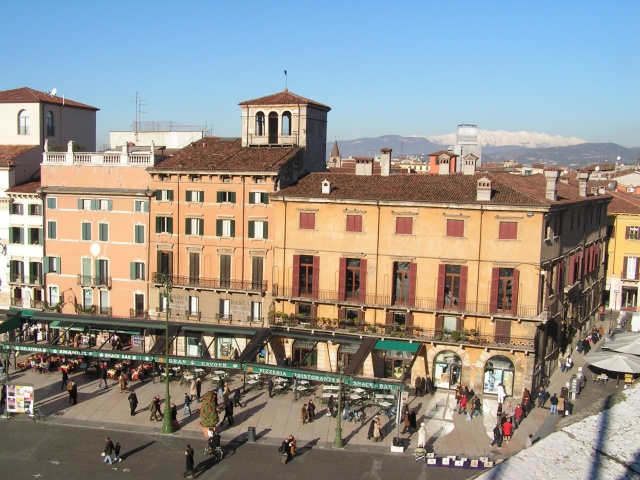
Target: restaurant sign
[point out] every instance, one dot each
(370, 384)
(53, 350)
(197, 362)
(325, 377)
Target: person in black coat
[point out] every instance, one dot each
(133, 402)
(189, 462)
(371, 427)
(228, 413)
(412, 422)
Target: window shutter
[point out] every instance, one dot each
(636, 272)
(170, 195)
(265, 230)
(201, 226)
(264, 198)
(110, 205)
(495, 277)
(295, 280)
(252, 198)
(316, 277)
(188, 195)
(459, 324)
(363, 281)
(80, 205)
(158, 194)
(95, 205)
(218, 197)
(442, 276)
(45, 264)
(97, 269)
(413, 278)
(233, 228)
(439, 325)
(389, 318)
(218, 228)
(514, 292)
(41, 236)
(350, 223)
(572, 268)
(29, 241)
(232, 196)
(187, 226)
(145, 207)
(132, 270)
(252, 228)
(169, 225)
(342, 313)
(627, 233)
(342, 279)
(22, 239)
(624, 268)
(11, 235)
(158, 224)
(462, 299)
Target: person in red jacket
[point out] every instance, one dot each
(507, 428)
(463, 405)
(518, 414)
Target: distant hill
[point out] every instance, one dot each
(571, 155)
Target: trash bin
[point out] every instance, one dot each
(251, 434)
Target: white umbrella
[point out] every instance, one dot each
(624, 346)
(614, 362)
(626, 336)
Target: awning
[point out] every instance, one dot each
(97, 354)
(201, 362)
(397, 345)
(326, 377)
(12, 323)
(66, 326)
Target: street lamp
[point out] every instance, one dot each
(6, 383)
(337, 442)
(167, 427)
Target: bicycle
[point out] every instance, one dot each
(218, 453)
(38, 415)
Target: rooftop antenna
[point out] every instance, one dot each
(53, 92)
(285, 81)
(138, 112)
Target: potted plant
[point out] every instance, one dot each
(208, 412)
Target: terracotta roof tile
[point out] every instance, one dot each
(507, 189)
(10, 152)
(215, 153)
(284, 98)
(28, 95)
(30, 187)
(624, 203)
(443, 152)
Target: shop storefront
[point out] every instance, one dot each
(447, 367)
(397, 357)
(498, 370)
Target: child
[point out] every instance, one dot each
(117, 451)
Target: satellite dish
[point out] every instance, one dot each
(597, 168)
(94, 249)
(54, 91)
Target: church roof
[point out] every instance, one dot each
(284, 98)
(335, 152)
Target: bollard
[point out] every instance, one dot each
(251, 434)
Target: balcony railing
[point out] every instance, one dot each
(16, 278)
(416, 304)
(212, 283)
(400, 331)
(133, 313)
(91, 281)
(34, 280)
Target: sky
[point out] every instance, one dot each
(567, 68)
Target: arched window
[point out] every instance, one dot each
(498, 370)
(50, 125)
(447, 368)
(23, 123)
(259, 124)
(273, 128)
(286, 124)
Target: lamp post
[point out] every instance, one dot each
(337, 442)
(167, 427)
(615, 298)
(6, 383)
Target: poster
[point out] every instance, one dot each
(20, 399)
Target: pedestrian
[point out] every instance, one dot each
(173, 410)
(228, 413)
(65, 379)
(477, 406)
(345, 409)
(526, 401)
(518, 415)
(284, 448)
(108, 451)
(291, 450)
(407, 422)
(304, 415)
(507, 428)
(542, 396)
(270, 387)
(459, 393)
(463, 405)
(133, 402)
(226, 393)
(501, 393)
(554, 403)
(193, 395)
(236, 397)
(509, 411)
(154, 409)
(198, 389)
(569, 363)
(372, 425)
(422, 435)
(418, 386)
(103, 376)
(122, 382)
(116, 450)
(497, 436)
(563, 362)
(72, 389)
(311, 409)
(189, 462)
(412, 422)
(561, 402)
(295, 387)
(187, 404)
(331, 405)
(377, 432)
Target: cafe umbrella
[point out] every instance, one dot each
(614, 362)
(624, 346)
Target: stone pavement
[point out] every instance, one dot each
(278, 417)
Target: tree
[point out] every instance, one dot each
(209, 410)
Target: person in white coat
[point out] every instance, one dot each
(422, 435)
(501, 393)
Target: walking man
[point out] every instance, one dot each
(116, 450)
(311, 409)
(102, 374)
(198, 388)
(228, 413)
(270, 387)
(108, 451)
(189, 462)
(187, 404)
(133, 402)
(65, 379)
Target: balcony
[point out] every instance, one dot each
(34, 280)
(134, 313)
(91, 281)
(212, 283)
(17, 278)
(110, 158)
(471, 338)
(419, 304)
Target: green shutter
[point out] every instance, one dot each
(218, 197)
(95, 205)
(218, 227)
(187, 195)
(158, 220)
(145, 207)
(202, 196)
(233, 228)
(132, 270)
(97, 269)
(45, 265)
(41, 236)
(11, 235)
(169, 225)
(110, 205)
(265, 230)
(158, 194)
(79, 204)
(201, 225)
(187, 226)
(29, 241)
(265, 198)
(22, 239)
(252, 228)
(58, 263)
(252, 198)
(170, 195)
(232, 196)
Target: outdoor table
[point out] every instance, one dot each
(280, 380)
(359, 390)
(221, 373)
(303, 382)
(602, 378)
(252, 382)
(333, 388)
(199, 370)
(354, 397)
(385, 404)
(188, 377)
(216, 379)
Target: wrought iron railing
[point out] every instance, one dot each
(212, 283)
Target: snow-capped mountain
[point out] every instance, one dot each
(498, 138)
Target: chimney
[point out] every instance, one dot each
(364, 166)
(326, 187)
(551, 192)
(583, 181)
(483, 190)
(385, 162)
(469, 164)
